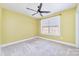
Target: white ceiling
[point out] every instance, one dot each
(21, 7)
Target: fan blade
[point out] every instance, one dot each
(34, 14)
(44, 11)
(40, 6)
(31, 9)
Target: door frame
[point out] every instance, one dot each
(77, 26)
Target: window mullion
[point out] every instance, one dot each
(48, 27)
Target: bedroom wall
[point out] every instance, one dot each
(0, 24)
(67, 27)
(17, 26)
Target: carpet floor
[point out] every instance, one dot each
(39, 47)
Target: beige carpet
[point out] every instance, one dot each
(39, 47)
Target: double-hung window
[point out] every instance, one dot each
(51, 26)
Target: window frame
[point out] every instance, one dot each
(48, 20)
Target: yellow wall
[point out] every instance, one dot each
(67, 27)
(17, 26)
(0, 25)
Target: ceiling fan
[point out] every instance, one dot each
(38, 10)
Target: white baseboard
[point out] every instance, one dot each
(4, 45)
(69, 44)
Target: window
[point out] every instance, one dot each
(51, 26)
